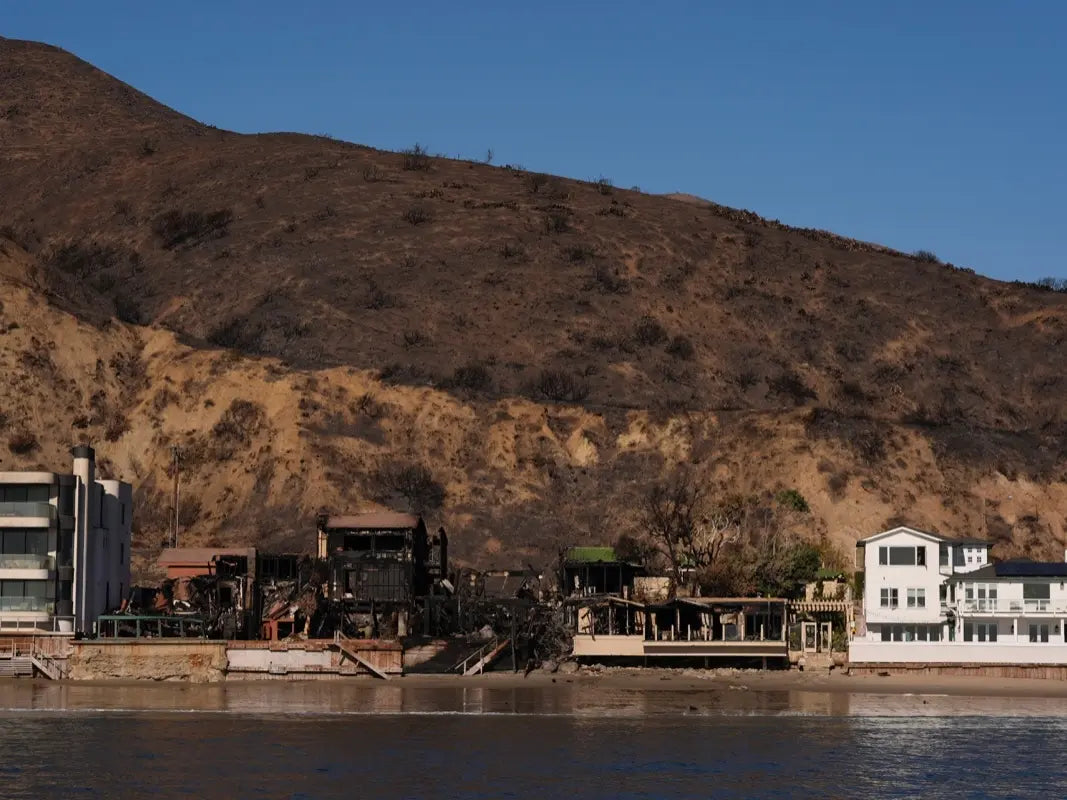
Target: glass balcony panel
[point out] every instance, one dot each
(27, 509)
(26, 561)
(40, 604)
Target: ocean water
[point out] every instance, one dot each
(329, 741)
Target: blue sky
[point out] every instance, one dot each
(932, 125)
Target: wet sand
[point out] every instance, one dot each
(588, 693)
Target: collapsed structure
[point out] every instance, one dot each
(380, 565)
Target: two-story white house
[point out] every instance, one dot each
(64, 547)
(937, 600)
(906, 582)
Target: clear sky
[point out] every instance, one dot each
(938, 125)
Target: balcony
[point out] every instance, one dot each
(27, 510)
(26, 604)
(1005, 606)
(26, 561)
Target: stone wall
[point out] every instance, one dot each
(193, 660)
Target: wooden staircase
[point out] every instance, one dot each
(485, 655)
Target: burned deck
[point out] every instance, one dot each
(631, 646)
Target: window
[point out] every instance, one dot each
(1039, 632)
(122, 553)
(979, 631)
(122, 513)
(902, 556)
(920, 556)
(883, 555)
(889, 598)
(916, 598)
(25, 493)
(1036, 591)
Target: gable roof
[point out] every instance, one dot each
(902, 529)
(937, 537)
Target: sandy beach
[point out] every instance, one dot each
(651, 680)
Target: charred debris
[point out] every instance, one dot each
(377, 575)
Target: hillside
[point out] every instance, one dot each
(306, 317)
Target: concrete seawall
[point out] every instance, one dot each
(208, 661)
(193, 660)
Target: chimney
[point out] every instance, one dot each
(85, 472)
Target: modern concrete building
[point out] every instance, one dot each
(64, 547)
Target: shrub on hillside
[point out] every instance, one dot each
(648, 331)
(416, 158)
(681, 347)
(417, 215)
(22, 443)
(415, 483)
(926, 256)
(176, 227)
(561, 387)
(475, 377)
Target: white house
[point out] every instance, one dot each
(64, 546)
(931, 599)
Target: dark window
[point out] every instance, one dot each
(1036, 591)
(883, 555)
(122, 553)
(902, 556)
(886, 635)
(920, 556)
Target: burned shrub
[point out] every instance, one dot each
(607, 282)
(681, 347)
(86, 259)
(557, 222)
(416, 158)
(648, 331)
(926, 256)
(236, 427)
(791, 386)
(413, 482)
(176, 227)
(126, 309)
(561, 387)
(23, 443)
(535, 181)
(417, 215)
(475, 377)
(415, 338)
(604, 185)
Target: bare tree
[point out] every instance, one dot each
(689, 530)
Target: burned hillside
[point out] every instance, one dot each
(307, 317)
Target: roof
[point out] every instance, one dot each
(902, 529)
(926, 534)
(963, 540)
(710, 601)
(1016, 569)
(590, 555)
(373, 521)
(201, 555)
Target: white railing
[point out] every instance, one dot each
(1011, 606)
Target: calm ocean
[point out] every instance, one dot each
(328, 741)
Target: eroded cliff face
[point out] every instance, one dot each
(265, 446)
(309, 319)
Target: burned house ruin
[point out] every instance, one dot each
(379, 565)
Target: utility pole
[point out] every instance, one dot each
(176, 452)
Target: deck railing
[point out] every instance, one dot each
(1011, 606)
(26, 561)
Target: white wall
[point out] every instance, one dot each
(880, 576)
(861, 651)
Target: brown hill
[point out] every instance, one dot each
(306, 317)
